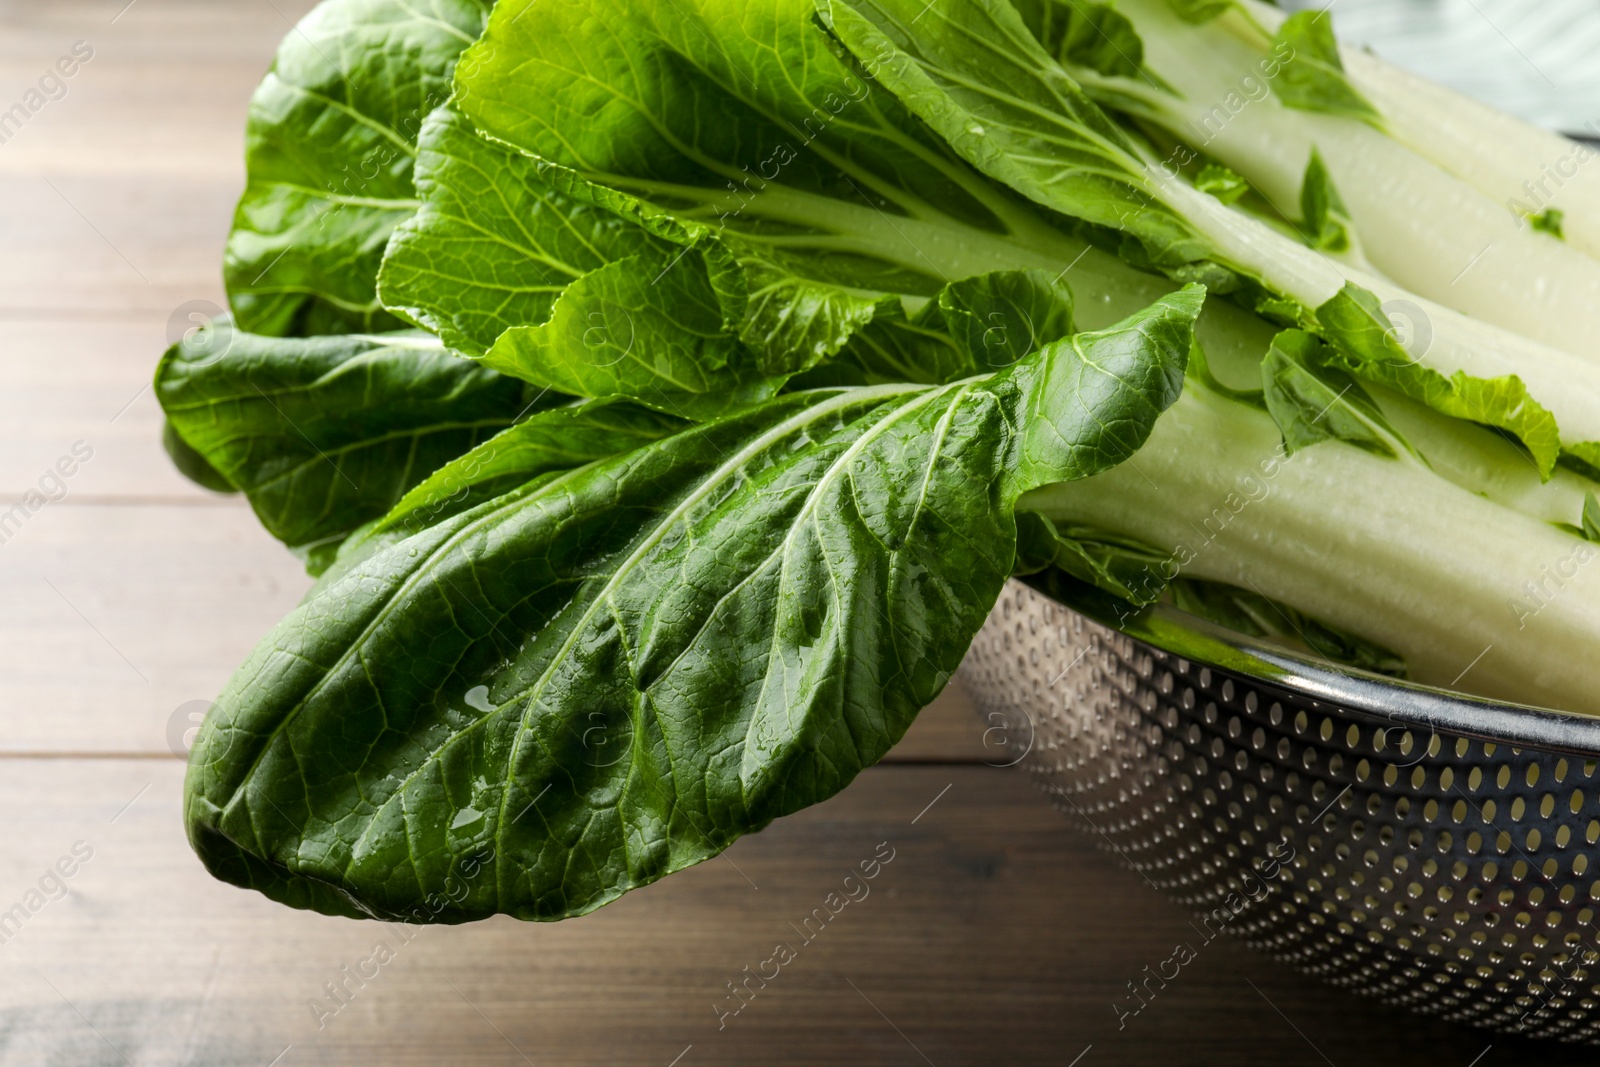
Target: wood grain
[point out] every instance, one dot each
(990, 937)
(995, 936)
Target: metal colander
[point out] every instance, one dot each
(1437, 851)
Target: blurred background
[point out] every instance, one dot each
(1534, 60)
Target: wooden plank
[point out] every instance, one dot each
(117, 196)
(62, 383)
(119, 615)
(994, 935)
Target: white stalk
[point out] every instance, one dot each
(1474, 595)
(1514, 163)
(1443, 339)
(1418, 222)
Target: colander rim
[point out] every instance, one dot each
(1348, 691)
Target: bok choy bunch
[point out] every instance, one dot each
(663, 393)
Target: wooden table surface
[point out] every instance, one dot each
(996, 935)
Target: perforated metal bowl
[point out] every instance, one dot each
(1437, 851)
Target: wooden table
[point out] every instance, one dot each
(995, 936)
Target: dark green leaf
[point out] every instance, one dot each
(1591, 517)
(191, 464)
(611, 673)
(556, 439)
(329, 151)
(325, 434)
(999, 318)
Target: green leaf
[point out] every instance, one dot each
(1549, 221)
(191, 464)
(1198, 11)
(1127, 569)
(1313, 78)
(975, 74)
(1591, 517)
(325, 434)
(1312, 401)
(647, 327)
(1219, 181)
(999, 318)
(612, 673)
(494, 242)
(896, 347)
(1364, 343)
(550, 279)
(1087, 34)
(752, 130)
(556, 439)
(329, 151)
(1325, 221)
(1253, 614)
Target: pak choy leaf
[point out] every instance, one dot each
(1087, 34)
(584, 289)
(546, 442)
(974, 72)
(753, 130)
(1251, 613)
(612, 673)
(581, 288)
(1312, 401)
(1314, 79)
(1325, 221)
(325, 434)
(1199, 11)
(1363, 341)
(329, 151)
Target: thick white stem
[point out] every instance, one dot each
(1475, 596)
(1513, 162)
(1418, 221)
(1439, 337)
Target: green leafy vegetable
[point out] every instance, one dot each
(1326, 221)
(1363, 338)
(1314, 79)
(1311, 401)
(540, 686)
(325, 434)
(758, 344)
(329, 151)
